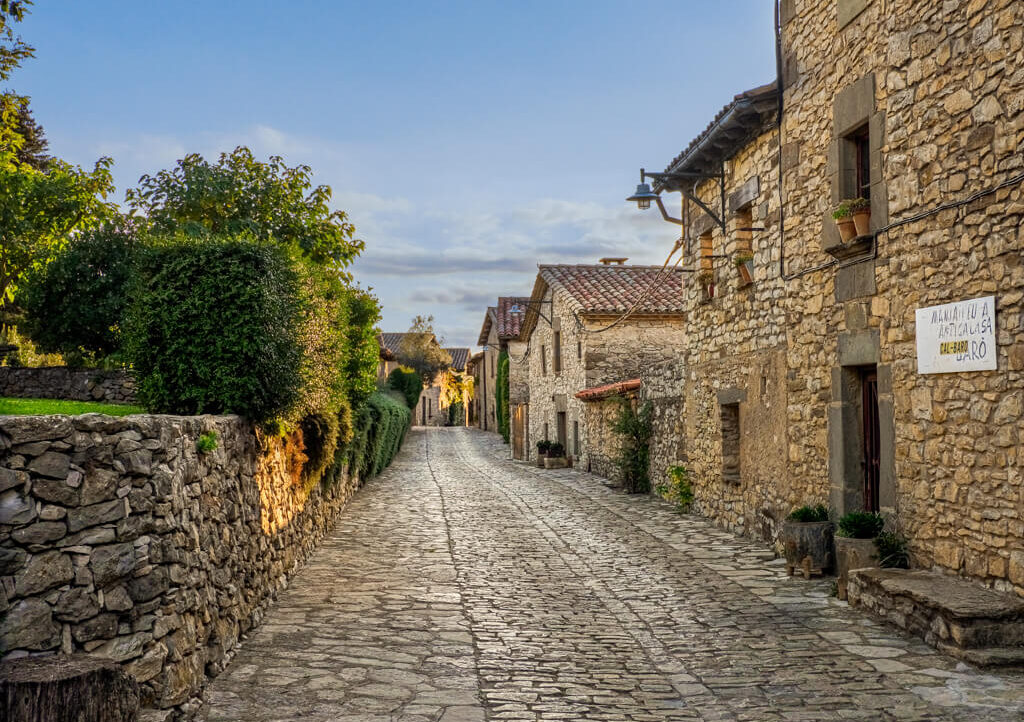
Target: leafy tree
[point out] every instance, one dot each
(75, 303)
(13, 50)
(363, 351)
(633, 425)
(238, 194)
(38, 210)
(421, 351)
(34, 146)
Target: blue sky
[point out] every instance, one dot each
(468, 141)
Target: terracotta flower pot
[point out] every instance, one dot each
(862, 222)
(809, 546)
(853, 554)
(847, 229)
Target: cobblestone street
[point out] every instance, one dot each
(462, 586)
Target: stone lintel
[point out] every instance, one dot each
(745, 194)
(860, 348)
(731, 396)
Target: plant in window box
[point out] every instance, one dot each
(744, 262)
(861, 210)
(855, 544)
(556, 457)
(807, 536)
(843, 216)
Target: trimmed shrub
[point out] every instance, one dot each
(214, 327)
(501, 397)
(860, 525)
(320, 437)
(74, 305)
(806, 513)
(408, 383)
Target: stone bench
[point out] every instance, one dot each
(956, 616)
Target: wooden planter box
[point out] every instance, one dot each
(558, 462)
(809, 547)
(853, 554)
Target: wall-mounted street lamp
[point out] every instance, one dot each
(682, 182)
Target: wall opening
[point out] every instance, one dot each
(730, 417)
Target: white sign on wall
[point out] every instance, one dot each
(957, 337)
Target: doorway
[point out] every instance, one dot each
(872, 448)
(562, 432)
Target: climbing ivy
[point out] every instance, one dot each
(634, 426)
(501, 398)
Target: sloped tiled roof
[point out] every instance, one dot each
(391, 342)
(490, 319)
(510, 314)
(596, 393)
(459, 357)
(749, 114)
(507, 318)
(609, 290)
(614, 289)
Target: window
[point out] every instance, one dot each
(862, 161)
(731, 443)
(579, 350)
(546, 431)
(556, 357)
(576, 438)
(544, 366)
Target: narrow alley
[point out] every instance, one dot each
(462, 586)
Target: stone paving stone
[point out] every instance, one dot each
(462, 586)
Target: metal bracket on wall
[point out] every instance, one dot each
(536, 304)
(685, 182)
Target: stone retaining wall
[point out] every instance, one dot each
(60, 382)
(118, 538)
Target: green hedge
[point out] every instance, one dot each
(215, 327)
(408, 383)
(380, 429)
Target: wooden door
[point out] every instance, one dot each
(872, 445)
(518, 430)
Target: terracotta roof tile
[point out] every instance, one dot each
(614, 289)
(459, 357)
(510, 314)
(596, 393)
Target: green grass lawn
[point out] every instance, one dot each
(42, 407)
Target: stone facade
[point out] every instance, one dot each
(428, 411)
(933, 93)
(118, 538)
(60, 382)
(593, 350)
(487, 417)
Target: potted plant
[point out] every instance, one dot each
(807, 536)
(855, 544)
(556, 457)
(745, 264)
(542, 451)
(843, 216)
(861, 210)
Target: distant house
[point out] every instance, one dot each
(588, 327)
(500, 333)
(460, 357)
(428, 408)
(475, 368)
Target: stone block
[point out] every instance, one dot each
(43, 572)
(95, 514)
(28, 624)
(112, 563)
(40, 532)
(15, 508)
(51, 464)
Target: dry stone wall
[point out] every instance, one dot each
(60, 382)
(118, 538)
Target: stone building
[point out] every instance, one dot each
(885, 372)
(428, 411)
(475, 368)
(500, 334)
(587, 326)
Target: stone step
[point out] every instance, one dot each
(960, 617)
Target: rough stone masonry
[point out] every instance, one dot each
(118, 538)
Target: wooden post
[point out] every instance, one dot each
(67, 689)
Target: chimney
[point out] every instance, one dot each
(612, 261)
